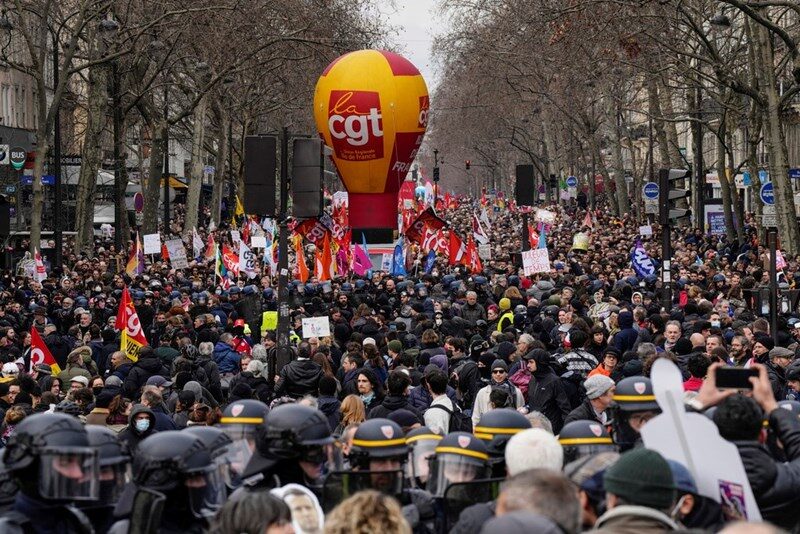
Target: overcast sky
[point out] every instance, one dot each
(418, 24)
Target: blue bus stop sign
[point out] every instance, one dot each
(767, 194)
(651, 190)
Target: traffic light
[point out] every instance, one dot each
(259, 174)
(436, 174)
(307, 171)
(468, 164)
(669, 194)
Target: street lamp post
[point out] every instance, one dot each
(57, 232)
(108, 27)
(166, 160)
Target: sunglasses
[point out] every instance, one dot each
(498, 372)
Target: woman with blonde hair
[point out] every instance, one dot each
(353, 413)
(367, 512)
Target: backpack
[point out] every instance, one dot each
(521, 379)
(511, 390)
(459, 421)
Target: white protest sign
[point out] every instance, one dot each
(235, 236)
(152, 243)
(485, 251)
(547, 217)
(645, 230)
(316, 327)
(386, 262)
(258, 241)
(177, 253)
(535, 261)
(693, 440)
(340, 197)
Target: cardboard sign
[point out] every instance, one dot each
(386, 262)
(547, 217)
(485, 251)
(316, 327)
(645, 230)
(535, 261)
(693, 440)
(236, 236)
(177, 253)
(258, 241)
(580, 241)
(152, 243)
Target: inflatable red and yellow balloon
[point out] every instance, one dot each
(371, 107)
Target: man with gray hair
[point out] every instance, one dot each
(471, 310)
(545, 492)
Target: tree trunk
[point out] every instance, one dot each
(121, 214)
(196, 168)
(38, 194)
(675, 159)
(151, 184)
(619, 166)
(97, 102)
(660, 134)
(738, 208)
(775, 141)
(724, 184)
(222, 161)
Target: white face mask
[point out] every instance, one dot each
(142, 424)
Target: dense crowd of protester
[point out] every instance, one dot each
(444, 400)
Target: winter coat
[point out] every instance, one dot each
(227, 359)
(132, 437)
(330, 407)
(349, 385)
(584, 412)
(776, 485)
(473, 313)
(482, 400)
(629, 519)
(142, 370)
(71, 372)
(625, 339)
(465, 377)
(299, 378)
(546, 394)
(420, 398)
(392, 403)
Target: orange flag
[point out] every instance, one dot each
(40, 353)
(302, 269)
(324, 260)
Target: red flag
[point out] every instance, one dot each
(40, 353)
(164, 252)
(324, 261)
(473, 259)
(231, 260)
(425, 219)
(302, 270)
(533, 237)
(455, 249)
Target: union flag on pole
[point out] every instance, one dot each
(40, 353)
(128, 323)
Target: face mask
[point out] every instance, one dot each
(142, 424)
(96, 390)
(714, 324)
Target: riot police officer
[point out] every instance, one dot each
(584, 438)
(294, 445)
(495, 428)
(52, 462)
(422, 445)
(218, 444)
(240, 421)
(459, 475)
(178, 466)
(378, 456)
(113, 462)
(635, 406)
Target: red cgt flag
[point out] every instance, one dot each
(41, 354)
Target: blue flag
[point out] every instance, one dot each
(641, 262)
(366, 251)
(542, 238)
(430, 261)
(398, 260)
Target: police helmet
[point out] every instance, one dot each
(584, 438)
(460, 457)
(422, 444)
(635, 394)
(50, 457)
(241, 418)
(222, 450)
(113, 460)
(179, 465)
(378, 438)
(497, 426)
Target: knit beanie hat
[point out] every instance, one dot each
(682, 347)
(642, 476)
(395, 346)
(765, 340)
(597, 385)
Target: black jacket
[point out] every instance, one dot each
(546, 394)
(299, 378)
(144, 368)
(465, 377)
(582, 412)
(776, 485)
(391, 404)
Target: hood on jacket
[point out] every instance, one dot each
(625, 320)
(80, 354)
(150, 363)
(328, 405)
(136, 410)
